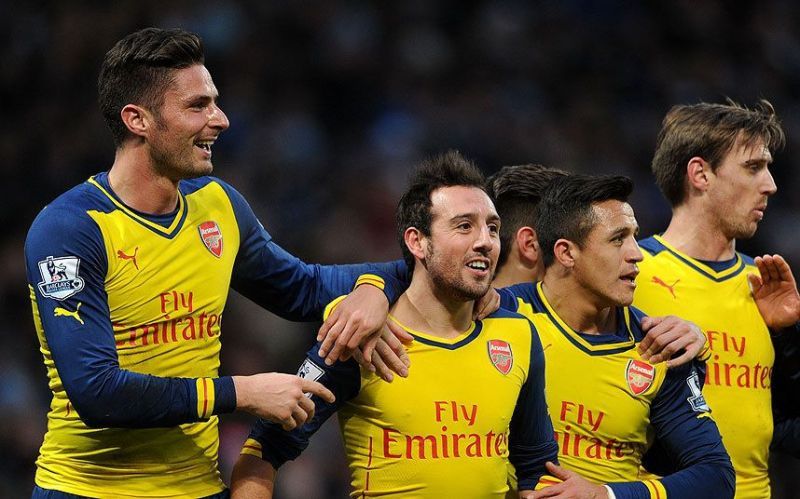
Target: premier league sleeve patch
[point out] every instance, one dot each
(60, 277)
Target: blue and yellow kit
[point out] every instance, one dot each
(608, 405)
(716, 296)
(448, 430)
(128, 310)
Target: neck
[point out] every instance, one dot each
(575, 306)
(514, 272)
(424, 309)
(134, 180)
(698, 236)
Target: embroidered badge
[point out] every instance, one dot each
(501, 355)
(212, 237)
(60, 278)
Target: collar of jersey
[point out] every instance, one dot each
(593, 344)
(168, 232)
(449, 343)
(736, 266)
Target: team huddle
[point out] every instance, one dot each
(530, 342)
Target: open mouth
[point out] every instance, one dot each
(630, 278)
(478, 265)
(205, 145)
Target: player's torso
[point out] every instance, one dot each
(599, 396)
(739, 371)
(443, 431)
(166, 289)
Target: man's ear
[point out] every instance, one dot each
(138, 120)
(697, 173)
(565, 252)
(415, 242)
(528, 246)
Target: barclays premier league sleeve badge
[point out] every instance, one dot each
(60, 277)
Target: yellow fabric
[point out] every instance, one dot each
(737, 385)
(443, 431)
(601, 426)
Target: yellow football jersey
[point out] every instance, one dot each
(717, 297)
(445, 431)
(607, 405)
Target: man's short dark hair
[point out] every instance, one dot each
(414, 210)
(139, 69)
(708, 131)
(566, 211)
(516, 192)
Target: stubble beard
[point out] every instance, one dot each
(448, 281)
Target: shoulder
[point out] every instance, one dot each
(67, 217)
(651, 246)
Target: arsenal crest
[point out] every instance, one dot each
(639, 375)
(501, 356)
(212, 237)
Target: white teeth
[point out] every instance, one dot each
(477, 265)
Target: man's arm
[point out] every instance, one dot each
(77, 328)
(269, 446)
(531, 440)
(682, 422)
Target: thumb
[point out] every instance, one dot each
(754, 282)
(558, 472)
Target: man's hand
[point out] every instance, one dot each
(573, 486)
(668, 335)
(486, 304)
(389, 355)
(356, 319)
(279, 397)
(775, 292)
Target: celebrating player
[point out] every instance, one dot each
(474, 398)
(128, 275)
(606, 401)
(712, 164)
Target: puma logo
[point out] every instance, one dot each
(670, 287)
(122, 256)
(63, 312)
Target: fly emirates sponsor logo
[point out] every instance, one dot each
(447, 443)
(576, 421)
(726, 366)
(181, 322)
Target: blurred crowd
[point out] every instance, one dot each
(332, 102)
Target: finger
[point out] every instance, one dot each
(300, 416)
(381, 369)
(784, 270)
(772, 267)
(330, 338)
(676, 345)
(318, 389)
(390, 358)
(654, 341)
(400, 333)
(339, 346)
(328, 324)
(288, 424)
(362, 361)
(754, 282)
(682, 359)
(369, 346)
(308, 406)
(557, 471)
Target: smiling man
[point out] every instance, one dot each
(128, 275)
(474, 399)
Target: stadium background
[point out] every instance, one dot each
(331, 103)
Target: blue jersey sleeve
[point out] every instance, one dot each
(531, 438)
(342, 378)
(690, 438)
(66, 267)
(285, 285)
(508, 296)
